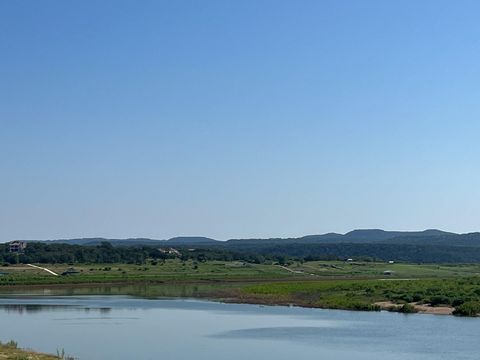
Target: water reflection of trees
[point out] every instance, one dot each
(141, 290)
(36, 308)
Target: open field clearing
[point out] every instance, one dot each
(176, 270)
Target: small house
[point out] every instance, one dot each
(170, 251)
(17, 246)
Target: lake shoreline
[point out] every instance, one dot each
(317, 284)
(235, 295)
(420, 309)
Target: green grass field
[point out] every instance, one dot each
(171, 270)
(376, 269)
(176, 270)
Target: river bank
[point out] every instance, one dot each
(416, 308)
(424, 296)
(430, 296)
(11, 351)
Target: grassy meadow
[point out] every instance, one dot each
(168, 271)
(176, 270)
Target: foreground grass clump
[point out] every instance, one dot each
(462, 294)
(11, 351)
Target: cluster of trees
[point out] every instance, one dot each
(37, 252)
(220, 254)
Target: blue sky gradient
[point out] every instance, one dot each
(238, 118)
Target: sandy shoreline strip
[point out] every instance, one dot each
(421, 308)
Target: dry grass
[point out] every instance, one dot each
(10, 351)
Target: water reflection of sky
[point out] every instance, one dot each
(115, 327)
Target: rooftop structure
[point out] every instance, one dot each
(17, 246)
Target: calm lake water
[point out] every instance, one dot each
(100, 327)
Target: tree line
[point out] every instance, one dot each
(39, 252)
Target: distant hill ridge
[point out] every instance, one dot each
(361, 236)
(190, 240)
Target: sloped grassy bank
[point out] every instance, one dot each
(462, 295)
(11, 351)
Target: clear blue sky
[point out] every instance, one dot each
(238, 118)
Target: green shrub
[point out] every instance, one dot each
(471, 308)
(407, 309)
(457, 302)
(407, 298)
(417, 297)
(439, 300)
